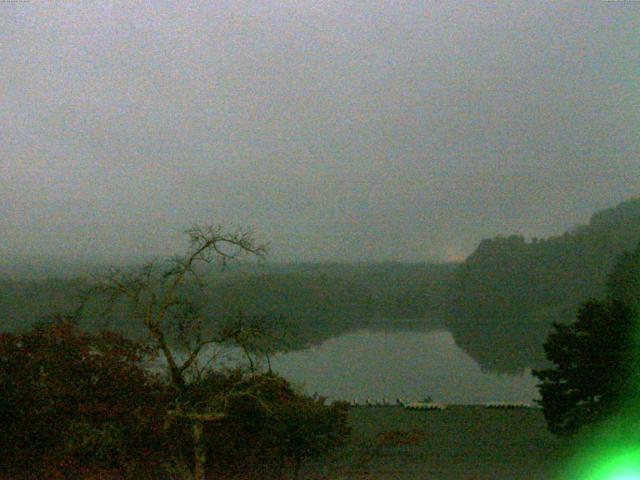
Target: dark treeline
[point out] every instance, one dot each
(506, 295)
(310, 302)
(499, 303)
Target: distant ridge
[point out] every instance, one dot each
(508, 292)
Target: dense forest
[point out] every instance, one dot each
(309, 302)
(506, 295)
(499, 303)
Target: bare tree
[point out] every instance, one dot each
(257, 336)
(161, 300)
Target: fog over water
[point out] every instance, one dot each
(410, 364)
(341, 130)
(406, 365)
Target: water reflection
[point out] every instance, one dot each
(410, 363)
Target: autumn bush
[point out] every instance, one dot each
(73, 403)
(87, 406)
(270, 429)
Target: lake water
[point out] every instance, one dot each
(410, 364)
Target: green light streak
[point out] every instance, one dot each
(611, 451)
(614, 461)
(624, 466)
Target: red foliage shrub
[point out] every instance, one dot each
(85, 406)
(76, 402)
(269, 428)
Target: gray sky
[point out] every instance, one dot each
(341, 130)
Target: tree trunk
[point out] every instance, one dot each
(199, 450)
(297, 466)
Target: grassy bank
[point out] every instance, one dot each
(459, 443)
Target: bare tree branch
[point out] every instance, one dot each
(155, 293)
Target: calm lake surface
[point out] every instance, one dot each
(410, 364)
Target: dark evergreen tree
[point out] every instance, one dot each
(595, 366)
(596, 359)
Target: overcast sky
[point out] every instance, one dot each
(340, 130)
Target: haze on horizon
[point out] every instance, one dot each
(340, 130)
